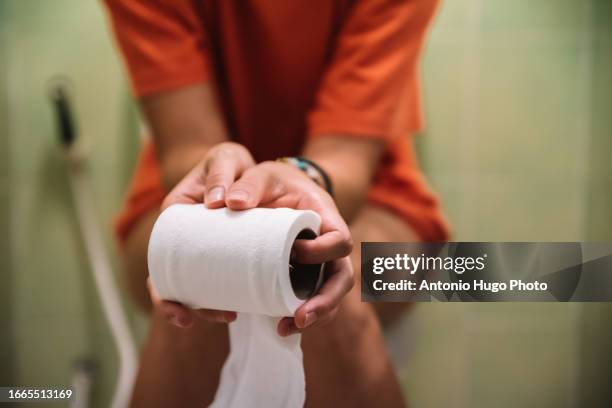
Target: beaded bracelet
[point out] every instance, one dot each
(312, 170)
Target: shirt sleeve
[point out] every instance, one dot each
(371, 88)
(162, 41)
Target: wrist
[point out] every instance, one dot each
(311, 170)
(177, 162)
(180, 160)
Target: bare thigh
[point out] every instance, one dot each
(346, 362)
(180, 367)
(376, 224)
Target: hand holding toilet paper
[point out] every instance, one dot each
(239, 261)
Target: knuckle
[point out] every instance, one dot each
(246, 185)
(240, 149)
(276, 187)
(232, 150)
(221, 151)
(346, 243)
(227, 149)
(350, 281)
(209, 159)
(216, 178)
(270, 168)
(252, 172)
(331, 315)
(268, 164)
(324, 308)
(261, 170)
(312, 193)
(327, 319)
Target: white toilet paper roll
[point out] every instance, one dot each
(239, 261)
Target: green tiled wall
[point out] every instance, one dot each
(55, 317)
(6, 342)
(518, 97)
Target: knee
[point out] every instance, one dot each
(390, 313)
(134, 257)
(135, 272)
(346, 332)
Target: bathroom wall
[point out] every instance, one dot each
(518, 95)
(6, 342)
(53, 313)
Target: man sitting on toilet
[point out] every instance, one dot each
(228, 87)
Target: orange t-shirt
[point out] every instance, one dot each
(287, 71)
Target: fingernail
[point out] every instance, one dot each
(311, 317)
(216, 194)
(239, 196)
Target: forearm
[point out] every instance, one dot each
(185, 124)
(178, 161)
(134, 259)
(350, 164)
